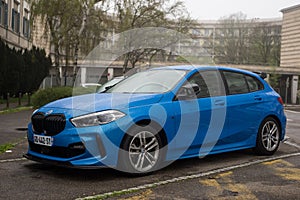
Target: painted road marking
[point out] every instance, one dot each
(194, 176)
(144, 195)
(223, 183)
(285, 169)
(292, 111)
(292, 144)
(12, 160)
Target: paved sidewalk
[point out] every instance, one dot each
(13, 126)
(11, 105)
(292, 107)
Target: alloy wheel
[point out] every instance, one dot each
(270, 136)
(143, 151)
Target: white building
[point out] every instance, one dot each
(14, 23)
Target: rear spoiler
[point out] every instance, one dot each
(263, 75)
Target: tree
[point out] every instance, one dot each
(239, 40)
(147, 13)
(22, 71)
(265, 44)
(3, 65)
(37, 66)
(230, 42)
(66, 22)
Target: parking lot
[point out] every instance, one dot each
(235, 175)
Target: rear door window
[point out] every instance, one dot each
(239, 83)
(236, 82)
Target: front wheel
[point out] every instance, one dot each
(268, 137)
(141, 150)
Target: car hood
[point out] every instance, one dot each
(100, 101)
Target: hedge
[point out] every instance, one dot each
(42, 97)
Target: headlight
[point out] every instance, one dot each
(98, 118)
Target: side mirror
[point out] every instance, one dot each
(188, 91)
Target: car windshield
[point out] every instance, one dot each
(152, 81)
(110, 83)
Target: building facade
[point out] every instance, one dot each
(290, 47)
(290, 51)
(212, 35)
(206, 35)
(15, 23)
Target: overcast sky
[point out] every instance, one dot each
(215, 9)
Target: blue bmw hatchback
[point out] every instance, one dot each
(157, 116)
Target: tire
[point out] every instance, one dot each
(268, 137)
(140, 151)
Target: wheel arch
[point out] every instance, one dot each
(121, 164)
(278, 122)
(153, 124)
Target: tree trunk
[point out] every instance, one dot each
(67, 64)
(57, 72)
(125, 64)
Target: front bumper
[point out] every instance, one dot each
(101, 147)
(59, 163)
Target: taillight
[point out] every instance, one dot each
(280, 100)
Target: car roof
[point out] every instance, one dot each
(205, 67)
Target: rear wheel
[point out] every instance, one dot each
(141, 150)
(268, 138)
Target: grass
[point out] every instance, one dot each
(14, 110)
(6, 147)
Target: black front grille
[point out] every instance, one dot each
(38, 122)
(61, 152)
(54, 124)
(50, 125)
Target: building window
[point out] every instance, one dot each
(207, 32)
(3, 13)
(195, 32)
(26, 23)
(15, 17)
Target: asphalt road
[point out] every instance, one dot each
(236, 175)
(12, 126)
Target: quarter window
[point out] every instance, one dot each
(254, 84)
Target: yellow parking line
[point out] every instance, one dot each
(211, 183)
(143, 196)
(285, 169)
(279, 162)
(224, 187)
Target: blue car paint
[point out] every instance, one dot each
(243, 118)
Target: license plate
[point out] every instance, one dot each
(43, 140)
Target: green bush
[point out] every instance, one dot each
(42, 97)
(83, 90)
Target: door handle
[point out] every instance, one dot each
(257, 98)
